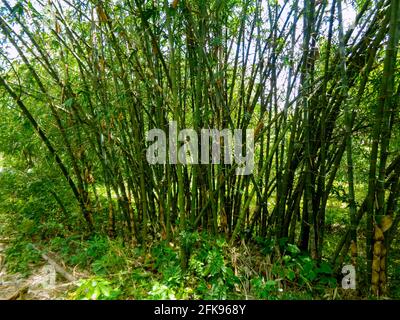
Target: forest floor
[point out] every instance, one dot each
(43, 282)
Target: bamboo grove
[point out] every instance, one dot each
(92, 77)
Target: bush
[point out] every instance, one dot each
(95, 289)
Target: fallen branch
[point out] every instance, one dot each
(56, 266)
(21, 291)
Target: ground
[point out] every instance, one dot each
(42, 284)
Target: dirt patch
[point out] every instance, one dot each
(43, 284)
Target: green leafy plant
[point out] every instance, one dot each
(209, 265)
(20, 255)
(95, 289)
(161, 292)
(264, 289)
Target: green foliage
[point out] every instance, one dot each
(27, 198)
(294, 271)
(209, 263)
(102, 255)
(95, 289)
(299, 266)
(158, 275)
(20, 256)
(265, 289)
(161, 292)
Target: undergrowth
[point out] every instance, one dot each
(118, 269)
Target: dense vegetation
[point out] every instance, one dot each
(81, 84)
